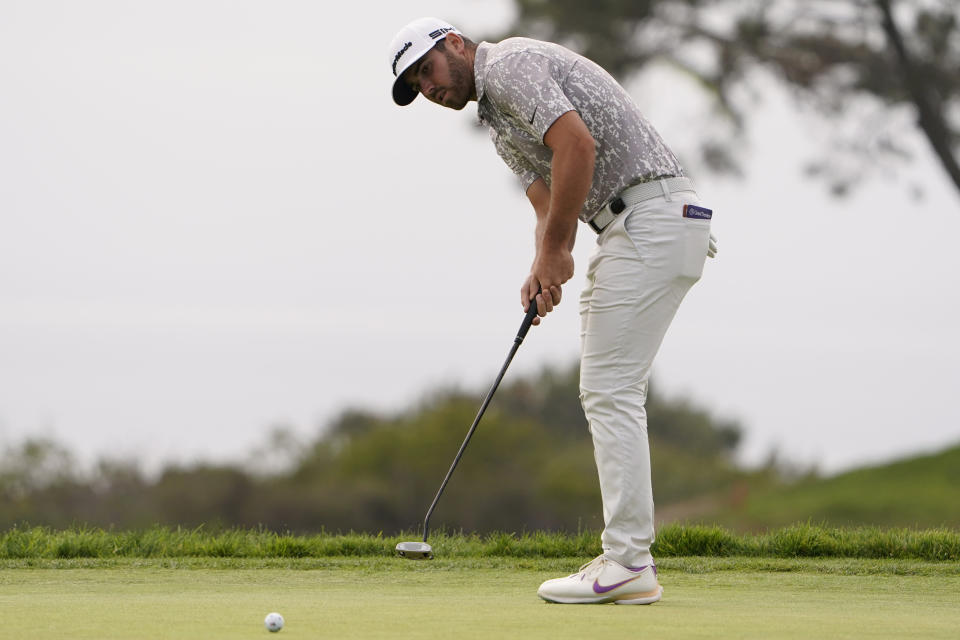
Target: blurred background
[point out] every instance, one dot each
(238, 285)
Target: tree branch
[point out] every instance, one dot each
(930, 116)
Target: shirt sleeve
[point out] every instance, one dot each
(525, 86)
(517, 163)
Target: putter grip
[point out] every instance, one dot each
(528, 319)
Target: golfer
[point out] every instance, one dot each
(583, 151)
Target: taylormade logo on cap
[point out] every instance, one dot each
(409, 45)
(396, 58)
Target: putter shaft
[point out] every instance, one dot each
(521, 334)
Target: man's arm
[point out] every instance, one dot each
(558, 208)
(539, 195)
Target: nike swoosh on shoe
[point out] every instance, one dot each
(598, 588)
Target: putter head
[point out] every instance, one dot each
(415, 550)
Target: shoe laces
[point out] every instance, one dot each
(593, 568)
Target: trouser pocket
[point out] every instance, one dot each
(696, 241)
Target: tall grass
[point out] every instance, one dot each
(797, 541)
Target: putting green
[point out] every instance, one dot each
(379, 599)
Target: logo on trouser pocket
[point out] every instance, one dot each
(697, 213)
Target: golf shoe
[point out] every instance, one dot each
(604, 580)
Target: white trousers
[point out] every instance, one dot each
(645, 262)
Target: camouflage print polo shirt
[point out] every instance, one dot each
(524, 85)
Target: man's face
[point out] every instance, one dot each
(443, 77)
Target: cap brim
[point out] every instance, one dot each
(402, 93)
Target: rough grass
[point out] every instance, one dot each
(919, 492)
(797, 541)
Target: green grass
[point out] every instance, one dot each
(690, 564)
(921, 491)
(798, 582)
(802, 540)
(494, 597)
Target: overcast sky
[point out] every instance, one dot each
(214, 221)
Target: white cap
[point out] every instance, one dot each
(409, 45)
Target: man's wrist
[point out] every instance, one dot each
(554, 242)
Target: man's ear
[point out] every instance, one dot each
(455, 41)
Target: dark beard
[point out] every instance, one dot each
(460, 88)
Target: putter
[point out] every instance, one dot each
(422, 550)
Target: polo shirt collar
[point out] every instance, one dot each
(480, 67)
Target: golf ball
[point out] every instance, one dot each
(273, 622)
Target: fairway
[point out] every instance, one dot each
(385, 598)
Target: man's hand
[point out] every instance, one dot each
(550, 270)
(712, 247)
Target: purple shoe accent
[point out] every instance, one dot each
(598, 588)
(638, 569)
